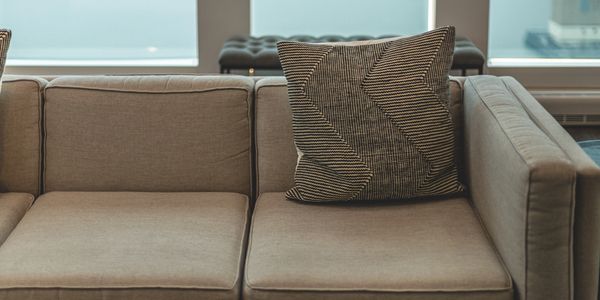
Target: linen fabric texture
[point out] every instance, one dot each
(371, 120)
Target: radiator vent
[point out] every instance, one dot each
(593, 118)
(580, 120)
(571, 107)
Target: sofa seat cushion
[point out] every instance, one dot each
(125, 245)
(417, 250)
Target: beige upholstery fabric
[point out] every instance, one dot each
(114, 294)
(523, 185)
(148, 133)
(416, 250)
(12, 208)
(20, 142)
(586, 231)
(117, 245)
(275, 150)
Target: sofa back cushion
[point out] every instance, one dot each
(148, 133)
(20, 134)
(275, 150)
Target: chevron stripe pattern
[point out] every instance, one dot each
(4, 43)
(370, 120)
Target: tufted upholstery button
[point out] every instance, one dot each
(255, 49)
(242, 39)
(331, 38)
(359, 38)
(243, 52)
(303, 38)
(272, 38)
(236, 46)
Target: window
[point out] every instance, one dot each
(341, 17)
(544, 33)
(101, 33)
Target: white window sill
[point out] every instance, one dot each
(542, 63)
(191, 62)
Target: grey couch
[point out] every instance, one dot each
(171, 187)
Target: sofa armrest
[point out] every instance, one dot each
(522, 184)
(13, 207)
(586, 231)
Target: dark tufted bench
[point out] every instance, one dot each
(260, 53)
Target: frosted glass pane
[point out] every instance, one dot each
(343, 17)
(544, 32)
(107, 32)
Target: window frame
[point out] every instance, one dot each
(549, 75)
(431, 13)
(474, 23)
(89, 67)
(535, 62)
(218, 20)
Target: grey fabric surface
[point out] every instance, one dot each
(126, 245)
(381, 130)
(586, 227)
(13, 207)
(419, 250)
(523, 185)
(148, 133)
(532, 239)
(20, 134)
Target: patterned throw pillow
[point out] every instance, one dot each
(4, 42)
(370, 120)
